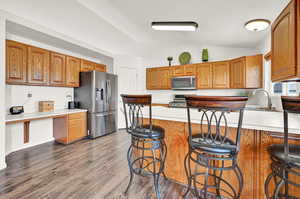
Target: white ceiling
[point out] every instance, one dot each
(221, 22)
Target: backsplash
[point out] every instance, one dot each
(18, 95)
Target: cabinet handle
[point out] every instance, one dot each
(282, 137)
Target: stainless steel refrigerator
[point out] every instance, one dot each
(98, 94)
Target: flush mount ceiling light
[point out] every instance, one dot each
(175, 25)
(257, 25)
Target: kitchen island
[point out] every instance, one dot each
(260, 130)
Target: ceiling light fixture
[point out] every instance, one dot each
(175, 25)
(257, 25)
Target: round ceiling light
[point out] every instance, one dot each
(257, 25)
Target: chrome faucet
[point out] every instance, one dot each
(267, 94)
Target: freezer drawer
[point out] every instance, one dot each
(102, 123)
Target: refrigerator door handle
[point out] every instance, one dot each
(108, 87)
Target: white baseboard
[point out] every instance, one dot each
(29, 145)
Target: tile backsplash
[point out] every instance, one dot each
(16, 95)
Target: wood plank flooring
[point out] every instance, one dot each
(88, 169)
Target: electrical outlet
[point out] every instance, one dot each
(29, 95)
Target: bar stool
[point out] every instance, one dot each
(212, 148)
(147, 152)
(285, 157)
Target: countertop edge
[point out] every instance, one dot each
(41, 115)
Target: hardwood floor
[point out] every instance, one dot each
(88, 169)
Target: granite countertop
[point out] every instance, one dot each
(41, 115)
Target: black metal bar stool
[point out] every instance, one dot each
(212, 149)
(285, 157)
(147, 152)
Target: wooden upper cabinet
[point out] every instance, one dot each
(38, 66)
(178, 71)
(238, 73)
(58, 69)
(204, 76)
(164, 78)
(87, 66)
(151, 79)
(183, 70)
(254, 71)
(190, 69)
(158, 78)
(100, 67)
(221, 75)
(246, 72)
(16, 62)
(284, 43)
(72, 71)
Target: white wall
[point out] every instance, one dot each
(71, 18)
(2, 92)
(17, 95)
(157, 55)
(40, 131)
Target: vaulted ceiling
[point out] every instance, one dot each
(221, 22)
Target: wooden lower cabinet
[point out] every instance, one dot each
(253, 157)
(70, 128)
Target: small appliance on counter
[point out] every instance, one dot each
(178, 101)
(73, 105)
(14, 110)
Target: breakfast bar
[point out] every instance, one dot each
(260, 129)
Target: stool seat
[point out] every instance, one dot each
(213, 144)
(277, 151)
(145, 132)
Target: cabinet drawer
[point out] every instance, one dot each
(76, 116)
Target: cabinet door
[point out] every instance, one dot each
(72, 71)
(16, 62)
(163, 76)
(149, 78)
(237, 73)
(58, 69)
(38, 66)
(178, 70)
(190, 70)
(204, 76)
(221, 74)
(254, 71)
(284, 44)
(87, 66)
(100, 67)
(77, 127)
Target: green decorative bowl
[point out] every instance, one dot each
(185, 58)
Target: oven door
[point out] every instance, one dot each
(184, 83)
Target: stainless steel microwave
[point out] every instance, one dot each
(183, 83)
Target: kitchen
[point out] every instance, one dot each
(117, 38)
